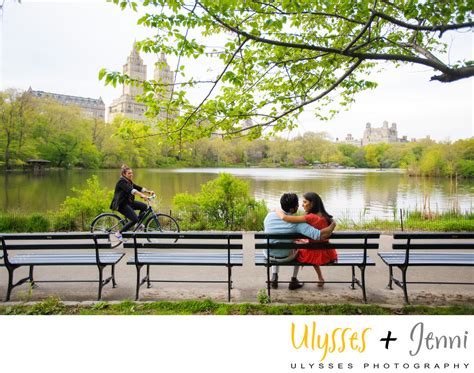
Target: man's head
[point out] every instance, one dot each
(289, 202)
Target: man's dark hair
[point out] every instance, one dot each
(289, 201)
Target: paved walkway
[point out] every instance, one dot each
(247, 282)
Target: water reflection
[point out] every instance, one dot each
(346, 193)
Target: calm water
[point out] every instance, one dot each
(347, 193)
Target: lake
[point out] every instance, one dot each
(352, 194)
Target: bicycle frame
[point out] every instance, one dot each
(149, 211)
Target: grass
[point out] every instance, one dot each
(54, 306)
(416, 221)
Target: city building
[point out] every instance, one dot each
(351, 140)
(384, 134)
(374, 135)
(91, 107)
(126, 104)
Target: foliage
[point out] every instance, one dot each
(262, 296)
(19, 222)
(222, 204)
(52, 306)
(272, 59)
(62, 135)
(416, 221)
(89, 202)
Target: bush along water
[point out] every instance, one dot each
(222, 204)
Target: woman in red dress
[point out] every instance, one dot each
(316, 216)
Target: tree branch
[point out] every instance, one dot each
(289, 111)
(214, 86)
(434, 28)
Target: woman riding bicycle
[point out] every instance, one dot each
(124, 199)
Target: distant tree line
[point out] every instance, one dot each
(46, 129)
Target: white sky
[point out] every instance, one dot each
(60, 46)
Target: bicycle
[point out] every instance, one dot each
(154, 222)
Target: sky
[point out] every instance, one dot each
(60, 46)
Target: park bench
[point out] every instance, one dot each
(184, 249)
(356, 244)
(428, 250)
(57, 249)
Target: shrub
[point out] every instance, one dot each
(12, 222)
(89, 202)
(222, 204)
(37, 223)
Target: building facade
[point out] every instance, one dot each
(373, 135)
(91, 107)
(384, 134)
(126, 104)
(351, 140)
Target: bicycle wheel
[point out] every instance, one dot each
(162, 223)
(108, 223)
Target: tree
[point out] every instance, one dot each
(13, 107)
(277, 57)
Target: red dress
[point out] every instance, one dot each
(314, 256)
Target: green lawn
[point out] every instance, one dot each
(53, 306)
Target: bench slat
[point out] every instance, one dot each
(434, 246)
(45, 259)
(177, 245)
(184, 235)
(343, 260)
(53, 236)
(426, 258)
(335, 235)
(57, 246)
(316, 245)
(425, 235)
(187, 259)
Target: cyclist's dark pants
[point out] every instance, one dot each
(128, 210)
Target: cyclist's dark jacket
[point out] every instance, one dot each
(123, 193)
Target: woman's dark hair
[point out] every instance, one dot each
(317, 205)
(289, 201)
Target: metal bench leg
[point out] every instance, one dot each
(353, 278)
(101, 282)
(148, 283)
(139, 267)
(114, 284)
(30, 277)
(10, 283)
(268, 283)
(390, 277)
(404, 279)
(229, 282)
(362, 275)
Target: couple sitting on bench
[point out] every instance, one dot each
(317, 224)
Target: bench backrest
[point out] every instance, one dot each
(184, 240)
(53, 241)
(339, 240)
(434, 241)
